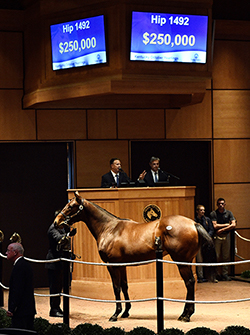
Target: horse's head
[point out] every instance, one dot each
(69, 213)
(151, 213)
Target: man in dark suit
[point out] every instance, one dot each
(155, 174)
(116, 176)
(21, 304)
(59, 240)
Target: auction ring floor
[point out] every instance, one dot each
(143, 314)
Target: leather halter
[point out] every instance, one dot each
(68, 218)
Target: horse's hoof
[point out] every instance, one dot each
(113, 318)
(125, 315)
(184, 318)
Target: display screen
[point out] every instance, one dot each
(78, 43)
(168, 37)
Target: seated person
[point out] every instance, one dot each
(155, 174)
(115, 176)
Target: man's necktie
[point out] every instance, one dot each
(117, 179)
(156, 177)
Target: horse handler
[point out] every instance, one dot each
(59, 239)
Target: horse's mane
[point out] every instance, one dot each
(105, 211)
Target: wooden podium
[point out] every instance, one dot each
(93, 281)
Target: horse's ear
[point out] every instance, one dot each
(78, 197)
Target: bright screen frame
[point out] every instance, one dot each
(78, 43)
(161, 37)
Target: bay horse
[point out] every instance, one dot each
(124, 241)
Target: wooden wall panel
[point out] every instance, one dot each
(231, 161)
(33, 52)
(11, 60)
(102, 124)
(11, 20)
(231, 65)
(92, 160)
(15, 123)
(237, 200)
(61, 124)
(232, 30)
(231, 114)
(194, 121)
(137, 123)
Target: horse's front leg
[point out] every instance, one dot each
(116, 280)
(124, 284)
(187, 275)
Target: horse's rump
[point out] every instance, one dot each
(179, 237)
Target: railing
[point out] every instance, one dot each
(159, 281)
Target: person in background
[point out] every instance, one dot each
(207, 224)
(21, 302)
(223, 222)
(59, 239)
(116, 176)
(155, 174)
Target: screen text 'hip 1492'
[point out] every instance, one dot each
(162, 20)
(79, 25)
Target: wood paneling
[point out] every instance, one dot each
(15, 123)
(237, 200)
(92, 160)
(11, 60)
(232, 30)
(141, 123)
(231, 65)
(231, 161)
(102, 124)
(61, 124)
(194, 121)
(231, 114)
(11, 20)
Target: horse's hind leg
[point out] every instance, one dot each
(115, 273)
(187, 275)
(124, 284)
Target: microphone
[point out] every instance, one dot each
(167, 174)
(124, 174)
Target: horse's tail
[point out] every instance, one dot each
(207, 250)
